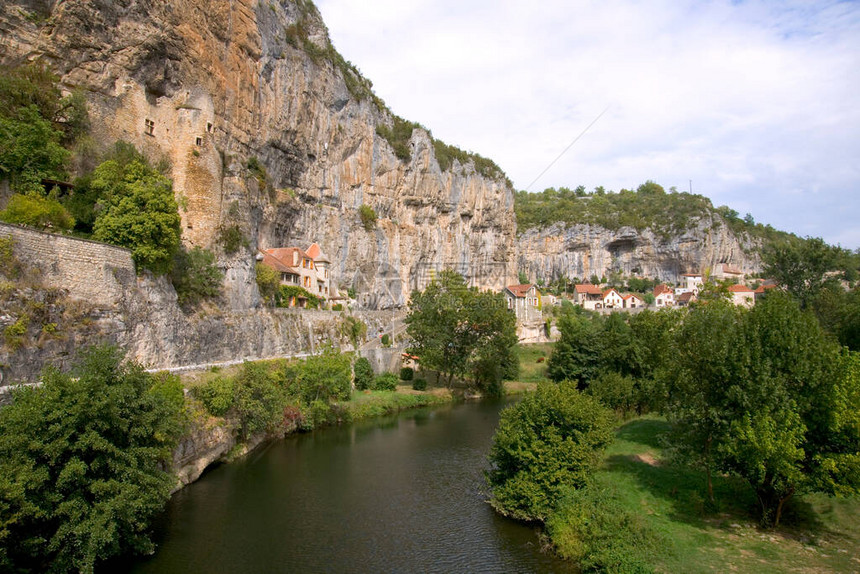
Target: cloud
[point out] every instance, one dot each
(754, 101)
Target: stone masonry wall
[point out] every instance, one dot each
(91, 271)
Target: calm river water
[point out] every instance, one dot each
(403, 494)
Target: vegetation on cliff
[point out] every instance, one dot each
(648, 207)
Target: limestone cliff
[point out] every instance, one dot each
(268, 129)
(581, 251)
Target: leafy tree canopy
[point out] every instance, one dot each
(82, 463)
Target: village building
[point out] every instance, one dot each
(308, 269)
(742, 295)
(633, 301)
(685, 299)
(612, 299)
(693, 282)
(664, 296)
(724, 271)
(588, 296)
(523, 300)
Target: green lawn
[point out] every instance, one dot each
(532, 371)
(818, 534)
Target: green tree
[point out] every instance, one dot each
(363, 374)
(195, 276)
(268, 282)
(258, 400)
(82, 464)
(140, 212)
(576, 355)
(802, 266)
(367, 216)
(37, 211)
(325, 377)
(549, 442)
(458, 331)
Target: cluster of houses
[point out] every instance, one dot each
(526, 300)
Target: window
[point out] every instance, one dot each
(198, 141)
(149, 127)
(209, 127)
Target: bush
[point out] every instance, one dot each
(614, 390)
(268, 283)
(419, 384)
(37, 211)
(83, 465)
(216, 395)
(406, 374)
(386, 340)
(368, 217)
(231, 238)
(592, 527)
(258, 399)
(363, 374)
(549, 441)
(195, 276)
(385, 382)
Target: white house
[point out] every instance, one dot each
(692, 283)
(663, 296)
(612, 299)
(633, 301)
(588, 296)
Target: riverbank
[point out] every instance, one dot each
(660, 518)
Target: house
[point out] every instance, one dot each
(663, 296)
(723, 271)
(308, 269)
(685, 299)
(523, 300)
(612, 299)
(762, 289)
(633, 301)
(588, 296)
(692, 283)
(742, 295)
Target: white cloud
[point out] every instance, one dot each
(754, 101)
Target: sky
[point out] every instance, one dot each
(753, 104)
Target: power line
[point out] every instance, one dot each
(576, 139)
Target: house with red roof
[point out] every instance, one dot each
(664, 296)
(306, 268)
(742, 295)
(524, 300)
(723, 271)
(634, 301)
(612, 299)
(588, 296)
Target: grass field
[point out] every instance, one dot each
(818, 534)
(531, 370)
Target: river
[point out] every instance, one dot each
(400, 494)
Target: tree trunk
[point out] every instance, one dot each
(782, 501)
(708, 470)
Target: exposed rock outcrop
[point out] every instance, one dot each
(217, 87)
(581, 251)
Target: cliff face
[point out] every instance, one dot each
(216, 86)
(581, 251)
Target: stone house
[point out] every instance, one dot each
(723, 271)
(297, 267)
(742, 295)
(523, 300)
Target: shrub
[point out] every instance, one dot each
(368, 217)
(363, 374)
(15, 333)
(258, 399)
(419, 384)
(9, 264)
(406, 374)
(195, 276)
(614, 390)
(257, 170)
(37, 211)
(268, 283)
(385, 382)
(551, 440)
(386, 340)
(288, 293)
(592, 527)
(231, 238)
(216, 395)
(337, 307)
